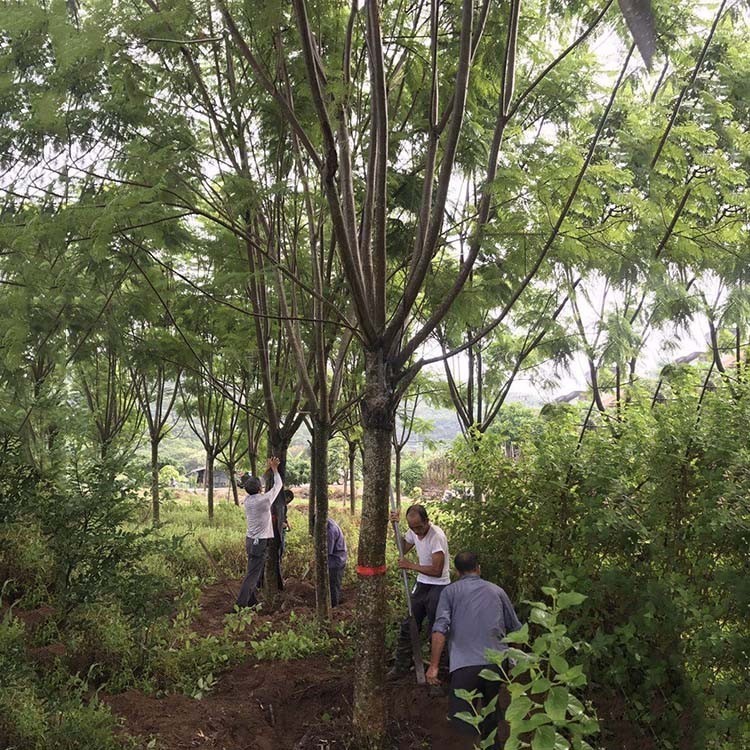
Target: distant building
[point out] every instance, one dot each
(221, 478)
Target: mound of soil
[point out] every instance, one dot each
(303, 704)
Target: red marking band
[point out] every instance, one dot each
(363, 570)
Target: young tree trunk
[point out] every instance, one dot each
(397, 475)
(377, 423)
(210, 484)
(352, 484)
(252, 444)
(155, 480)
(322, 582)
(231, 471)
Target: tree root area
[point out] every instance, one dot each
(303, 704)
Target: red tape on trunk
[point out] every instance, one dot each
(363, 570)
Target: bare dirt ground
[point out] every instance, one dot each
(303, 704)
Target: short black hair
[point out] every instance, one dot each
(465, 562)
(420, 510)
(288, 496)
(251, 485)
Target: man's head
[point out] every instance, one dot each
(252, 485)
(416, 517)
(288, 496)
(467, 562)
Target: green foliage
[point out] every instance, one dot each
(37, 714)
(102, 643)
(649, 519)
(23, 718)
(26, 562)
(544, 712)
(297, 470)
(302, 638)
(412, 472)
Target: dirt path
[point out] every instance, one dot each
(303, 704)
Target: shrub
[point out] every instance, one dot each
(544, 711)
(412, 473)
(302, 638)
(102, 643)
(297, 470)
(26, 563)
(13, 664)
(23, 721)
(192, 665)
(84, 726)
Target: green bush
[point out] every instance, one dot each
(648, 517)
(302, 638)
(26, 563)
(192, 665)
(13, 663)
(83, 726)
(412, 473)
(102, 643)
(23, 721)
(297, 471)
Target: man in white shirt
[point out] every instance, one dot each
(433, 575)
(259, 530)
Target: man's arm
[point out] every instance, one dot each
(440, 630)
(434, 569)
(436, 651)
(406, 546)
(278, 483)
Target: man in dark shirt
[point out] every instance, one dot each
(477, 615)
(336, 559)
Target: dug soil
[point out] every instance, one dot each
(304, 704)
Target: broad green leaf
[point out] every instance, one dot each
(570, 599)
(518, 708)
(544, 738)
(518, 636)
(542, 617)
(556, 704)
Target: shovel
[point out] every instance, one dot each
(416, 642)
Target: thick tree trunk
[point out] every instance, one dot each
(155, 481)
(313, 486)
(352, 484)
(209, 481)
(320, 536)
(377, 422)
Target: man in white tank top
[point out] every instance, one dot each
(433, 575)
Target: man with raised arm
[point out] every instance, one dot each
(259, 529)
(433, 575)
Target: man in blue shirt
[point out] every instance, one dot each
(336, 559)
(477, 615)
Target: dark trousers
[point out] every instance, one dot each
(467, 678)
(337, 576)
(424, 603)
(257, 550)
